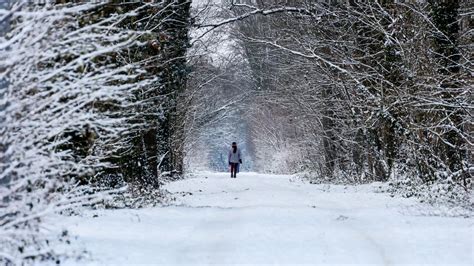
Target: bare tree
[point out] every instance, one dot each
(364, 71)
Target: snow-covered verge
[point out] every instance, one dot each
(442, 198)
(26, 232)
(268, 219)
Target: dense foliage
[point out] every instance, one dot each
(360, 91)
(89, 103)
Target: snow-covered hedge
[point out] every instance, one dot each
(67, 76)
(441, 198)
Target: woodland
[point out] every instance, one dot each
(102, 103)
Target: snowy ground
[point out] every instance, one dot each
(264, 219)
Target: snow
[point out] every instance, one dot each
(257, 219)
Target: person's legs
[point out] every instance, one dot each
(232, 169)
(236, 168)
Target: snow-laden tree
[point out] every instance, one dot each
(368, 90)
(79, 81)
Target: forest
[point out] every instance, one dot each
(103, 103)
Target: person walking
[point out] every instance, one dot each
(234, 160)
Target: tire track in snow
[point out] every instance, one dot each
(362, 233)
(376, 246)
(271, 185)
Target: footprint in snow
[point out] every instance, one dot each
(342, 218)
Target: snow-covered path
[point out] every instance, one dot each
(264, 219)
